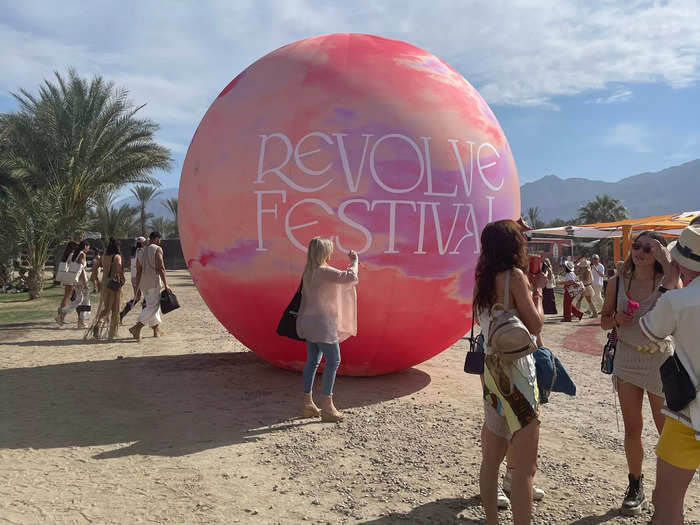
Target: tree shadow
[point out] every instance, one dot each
(444, 510)
(29, 325)
(167, 405)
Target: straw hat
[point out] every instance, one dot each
(686, 250)
(569, 266)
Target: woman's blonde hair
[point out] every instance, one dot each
(320, 250)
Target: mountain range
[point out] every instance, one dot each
(670, 190)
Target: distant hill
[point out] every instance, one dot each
(666, 191)
(156, 206)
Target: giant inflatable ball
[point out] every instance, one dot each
(374, 143)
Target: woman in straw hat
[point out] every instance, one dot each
(647, 271)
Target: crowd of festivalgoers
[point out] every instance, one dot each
(652, 302)
(148, 279)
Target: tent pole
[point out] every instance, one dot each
(626, 235)
(616, 249)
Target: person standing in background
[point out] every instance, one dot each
(150, 279)
(140, 242)
(95, 273)
(571, 286)
(67, 288)
(77, 264)
(549, 304)
(598, 271)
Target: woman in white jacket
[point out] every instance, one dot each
(327, 316)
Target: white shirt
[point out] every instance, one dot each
(598, 278)
(677, 313)
(571, 276)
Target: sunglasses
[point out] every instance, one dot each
(638, 246)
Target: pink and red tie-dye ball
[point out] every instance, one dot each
(372, 142)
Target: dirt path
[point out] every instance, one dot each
(192, 428)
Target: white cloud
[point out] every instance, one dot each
(621, 95)
(630, 136)
(177, 56)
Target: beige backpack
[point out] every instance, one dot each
(508, 336)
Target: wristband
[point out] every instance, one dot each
(663, 289)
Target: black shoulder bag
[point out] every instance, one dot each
(287, 327)
(474, 363)
(606, 363)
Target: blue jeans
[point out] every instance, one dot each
(314, 352)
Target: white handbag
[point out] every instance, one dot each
(68, 272)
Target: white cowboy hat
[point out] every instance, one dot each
(140, 239)
(595, 257)
(686, 250)
(569, 266)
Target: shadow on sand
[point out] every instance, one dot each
(439, 511)
(167, 405)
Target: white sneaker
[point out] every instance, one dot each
(502, 501)
(537, 493)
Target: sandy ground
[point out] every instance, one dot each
(193, 428)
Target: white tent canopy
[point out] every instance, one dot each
(578, 232)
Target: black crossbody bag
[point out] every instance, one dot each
(474, 362)
(606, 363)
(679, 389)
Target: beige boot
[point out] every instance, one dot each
(136, 331)
(330, 414)
(157, 332)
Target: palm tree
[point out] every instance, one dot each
(144, 194)
(166, 227)
(111, 221)
(533, 217)
(171, 205)
(603, 209)
(80, 138)
(28, 219)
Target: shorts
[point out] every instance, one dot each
(678, 446)
(495, 422)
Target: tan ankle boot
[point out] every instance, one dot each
(157, 332)
(136, 331)
(330, 414)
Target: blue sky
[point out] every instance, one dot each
(596, 89)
